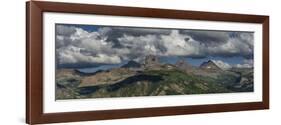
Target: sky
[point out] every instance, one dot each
(90, 46)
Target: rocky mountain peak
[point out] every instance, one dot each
(151, 60)
(210, 65)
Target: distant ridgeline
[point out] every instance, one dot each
(152, 78)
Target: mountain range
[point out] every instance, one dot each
(152, 78)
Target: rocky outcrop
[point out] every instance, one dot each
(151, 61)
(210, 65)
(183, 64)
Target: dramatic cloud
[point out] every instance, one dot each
(84, 47)
(112, 45)
(212, 38)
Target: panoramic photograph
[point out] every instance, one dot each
(96, 61)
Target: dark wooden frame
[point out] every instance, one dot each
(34, 61)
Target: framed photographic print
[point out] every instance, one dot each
(95, 62)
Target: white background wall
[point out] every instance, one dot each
(12, 63)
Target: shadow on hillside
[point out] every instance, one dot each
(118, 85)
(134, 79)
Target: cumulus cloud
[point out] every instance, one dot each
(112, 45)
(244, 66)
(247, 63)
(73, 54)
(83, 47)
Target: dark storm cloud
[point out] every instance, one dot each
(112, 45)
(207, 37)
(138, 31)
(113, 33)
(65, 30)
(223, 43)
